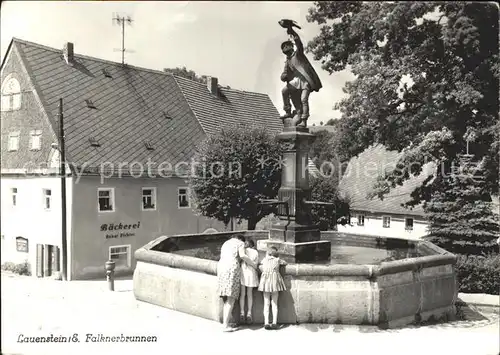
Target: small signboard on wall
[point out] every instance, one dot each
(128, 229)
(22, 244)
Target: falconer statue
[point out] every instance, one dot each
(300, 78)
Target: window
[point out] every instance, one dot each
(361, 220)
(148, 198)
(35, 140)
(94, 142)
(14, 196)
(106, 200)
(120, 254)
(149, 145)
(13, 141)
(90, 104)
(47, 199)
(386, 222)
(22, 244)
(183, 197)
(409, 224)
(11, 95)
(106, 73)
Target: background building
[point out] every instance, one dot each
(383, 217)
(135, 127)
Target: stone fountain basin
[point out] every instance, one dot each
(389, 295)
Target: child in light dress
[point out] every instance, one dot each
(271, 283)
(249, 281)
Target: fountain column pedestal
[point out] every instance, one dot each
(295, 236)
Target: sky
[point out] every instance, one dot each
(237, 42)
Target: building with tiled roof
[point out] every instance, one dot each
(123, 108)
(124, 127)
(385, 217)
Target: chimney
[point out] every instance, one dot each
(68, 53)
(212, 85)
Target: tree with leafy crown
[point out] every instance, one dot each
(449, 54)
(426, 72)
(186, 73)
(237, 168)
(190, 74)
(325, 189)
(322, 148)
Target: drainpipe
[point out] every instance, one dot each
(62, 168)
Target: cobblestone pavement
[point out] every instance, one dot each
(33, 307)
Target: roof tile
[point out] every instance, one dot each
(235, 106)
(362, 173)
(131, 108)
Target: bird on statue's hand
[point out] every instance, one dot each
(288, 24)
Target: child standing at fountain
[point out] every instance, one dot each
(271, 283)
(249, 280)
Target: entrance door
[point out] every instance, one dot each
(39, 260)
(55, 258)
(47, 262)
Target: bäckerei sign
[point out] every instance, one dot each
(119, 227)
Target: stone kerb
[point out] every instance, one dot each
(413, 264)
(391, 294)
(359, 271)
(176, 261)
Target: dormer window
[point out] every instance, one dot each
(94, 142)
(90, 104)
(149, 145)
(166, 116)
(11, 94)
(106, 73)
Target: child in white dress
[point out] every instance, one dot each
(271, 284)
(249, 281)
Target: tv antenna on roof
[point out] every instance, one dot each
(122, 20)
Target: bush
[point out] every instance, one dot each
(23, 268)
(8, 266)
(479, 273)
(325, 190)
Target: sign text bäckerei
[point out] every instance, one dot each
(118, 227)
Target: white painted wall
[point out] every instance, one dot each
(373, 226)
(29, 219)
(91, 247)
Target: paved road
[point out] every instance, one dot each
(32, 307)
